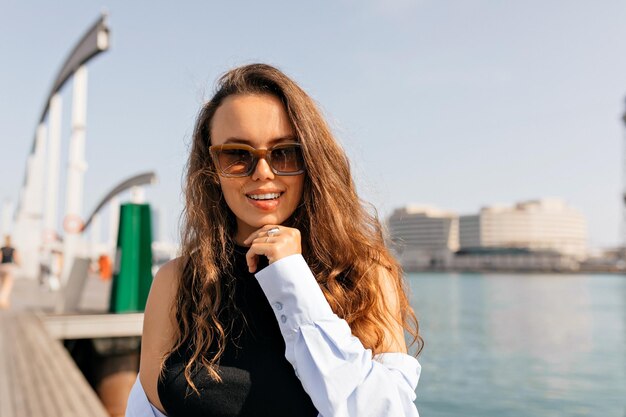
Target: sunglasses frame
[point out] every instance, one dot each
(257, 154)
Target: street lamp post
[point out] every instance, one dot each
(623, 237)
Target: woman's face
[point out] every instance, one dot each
(262, 198)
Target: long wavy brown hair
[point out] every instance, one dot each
(330, 216)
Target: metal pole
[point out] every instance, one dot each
(53, 167)
(624, 191)
(39, 174)
(95, 235)
(33, 186)
(28, 224)
(114, 220)
(75, 172)
(31, 238)
(34, 178)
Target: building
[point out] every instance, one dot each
(544, 234)
(424, 237)
(537, 235)
(538, 225)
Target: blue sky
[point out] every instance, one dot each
(454, 103)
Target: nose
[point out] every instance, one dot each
(262, 171)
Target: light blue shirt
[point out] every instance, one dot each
(339, 374)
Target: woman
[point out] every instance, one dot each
(285, 301)
(9, 260)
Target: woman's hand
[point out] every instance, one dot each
(274, 242)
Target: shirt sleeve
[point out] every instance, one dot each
(339, 374)
(138, 404)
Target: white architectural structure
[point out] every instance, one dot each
(36, 226)
(424, 236)
(546, 225)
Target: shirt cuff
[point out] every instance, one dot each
(294, 294)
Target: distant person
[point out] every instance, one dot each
(105, 267)
(55, 269)
(44, 269)
(10, 260)
(285, 301)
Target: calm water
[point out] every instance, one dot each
(514, 345)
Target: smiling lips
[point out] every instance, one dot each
(267, 196)
(264, 201)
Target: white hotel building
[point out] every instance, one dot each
(543, 234)
(424, 236)
(539, 225)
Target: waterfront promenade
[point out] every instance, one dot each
(28, 295)
(38, 377)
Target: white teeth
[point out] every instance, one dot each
(270, 196)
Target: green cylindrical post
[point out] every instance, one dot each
(133, 263)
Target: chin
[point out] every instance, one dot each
(268, 220)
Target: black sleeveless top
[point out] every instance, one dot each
(7, 254)
(257, 380)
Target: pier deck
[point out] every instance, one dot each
(37, 375)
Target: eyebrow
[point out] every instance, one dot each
(290, 138)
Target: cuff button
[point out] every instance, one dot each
(283, 318)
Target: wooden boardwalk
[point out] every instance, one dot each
(38, 377)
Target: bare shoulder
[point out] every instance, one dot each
(159, 326)
(168, 275)
(163, 290)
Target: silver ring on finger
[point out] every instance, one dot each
(273, 231)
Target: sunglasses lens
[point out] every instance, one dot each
(235, 161)
(287, 159)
